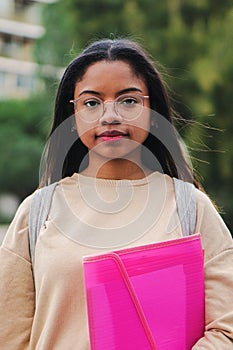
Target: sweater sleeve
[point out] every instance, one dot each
(218, 249)
(16, 286)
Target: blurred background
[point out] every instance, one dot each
(190, 42)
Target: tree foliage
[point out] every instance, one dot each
(24, 127)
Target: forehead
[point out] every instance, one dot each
(109, 74)
(106, 66)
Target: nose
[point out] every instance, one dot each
(110, 116)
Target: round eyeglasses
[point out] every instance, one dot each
(92, 108)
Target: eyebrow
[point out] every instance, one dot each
(124, 91)
(134, 89)
(89, 92)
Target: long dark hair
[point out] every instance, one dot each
(59, 163)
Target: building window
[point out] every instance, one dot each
(21, 4)
(25, 82)
(2, 79)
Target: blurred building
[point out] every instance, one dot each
(20, 27)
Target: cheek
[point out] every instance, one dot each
(140, 135)
(85, 132)
(141, 128)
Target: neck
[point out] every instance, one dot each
(118, 169)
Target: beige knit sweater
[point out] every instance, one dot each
(52, 316)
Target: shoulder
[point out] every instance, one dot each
(22, 213)
(216, 236)
(206, 208)
(203, 200)
(16, 238)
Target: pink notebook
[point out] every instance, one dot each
(147, 297)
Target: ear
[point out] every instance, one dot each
(154, 123)
(73, 128)
(73, 123)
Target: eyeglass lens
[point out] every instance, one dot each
(92, 108)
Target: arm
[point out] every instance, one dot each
(16, 286)
(218, 247)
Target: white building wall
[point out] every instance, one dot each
(20, 27)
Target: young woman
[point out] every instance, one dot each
(113, 152)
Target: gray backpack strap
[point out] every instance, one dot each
(186, 206)
(39, 210)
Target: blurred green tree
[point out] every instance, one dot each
(24, 127)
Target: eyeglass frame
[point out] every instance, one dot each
(142, 97)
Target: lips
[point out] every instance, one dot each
(112, 135)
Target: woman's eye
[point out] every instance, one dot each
(129, 101)
(91, 103)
